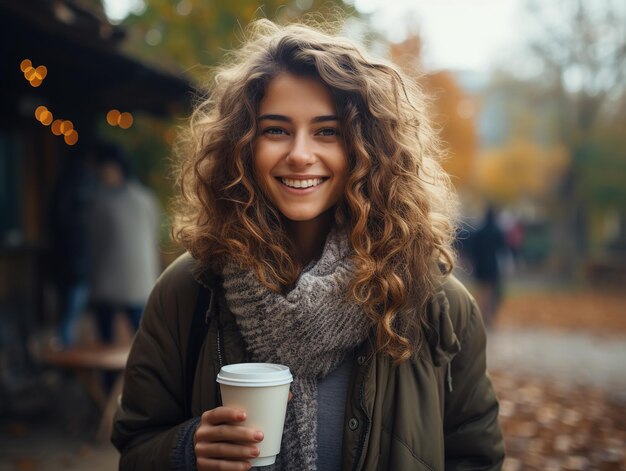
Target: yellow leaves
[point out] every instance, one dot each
(453, 112)
(522, 168)
(407, 54)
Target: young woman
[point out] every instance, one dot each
(318, 225)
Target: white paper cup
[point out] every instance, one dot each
(261, 390)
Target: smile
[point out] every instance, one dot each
(298, 183)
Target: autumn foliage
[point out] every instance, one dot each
(452, 109)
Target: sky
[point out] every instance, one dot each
(468, 35)
(472, 35)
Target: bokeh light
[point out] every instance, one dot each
(29, 73)
(56, 127)
(25, 64)
(41, 72)
(46, 118)
(66, 127)
(112, 117)
(126, 120)
(71, 138)
(38, 111)
(184, 7)
(123, 120)
(34, 75)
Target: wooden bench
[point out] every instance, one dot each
(87, 362)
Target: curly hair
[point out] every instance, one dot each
(398, 208)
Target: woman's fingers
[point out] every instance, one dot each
(220, 443)
(223, 415)
(220, 425)
(227, 451)
(228, 433)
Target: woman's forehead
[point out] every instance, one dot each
(292, 93)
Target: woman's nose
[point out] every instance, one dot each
(301, 152)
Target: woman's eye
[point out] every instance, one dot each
(328, 132)
(274, 131)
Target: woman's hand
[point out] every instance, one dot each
(222, 444)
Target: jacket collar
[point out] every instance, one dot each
(442, 339)
(203, 275)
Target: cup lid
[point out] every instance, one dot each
(254, 374)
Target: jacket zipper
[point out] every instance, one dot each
(220, 359)
(364, 429)
(211, 312)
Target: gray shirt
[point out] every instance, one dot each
(123, 228)
(331, 404)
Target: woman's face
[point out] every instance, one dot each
(300, 159)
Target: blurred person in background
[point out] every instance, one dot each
(123, 224)
(486, 245)
(70, 246)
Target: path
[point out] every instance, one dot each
(569, 358)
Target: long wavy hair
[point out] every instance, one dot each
(398, 208)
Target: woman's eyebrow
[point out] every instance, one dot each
(320, 119)
(274, 117)
(287, 119)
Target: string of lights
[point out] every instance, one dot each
(64, 127)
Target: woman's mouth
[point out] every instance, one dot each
(302, 183)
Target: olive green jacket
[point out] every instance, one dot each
(437, 412)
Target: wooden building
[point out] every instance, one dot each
(86, 75)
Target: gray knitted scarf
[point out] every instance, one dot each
(310, 330)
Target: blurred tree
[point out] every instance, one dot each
(454, 112)
(582, 49)
(452, 109)
(191, 34)
(524, 157)
(522, 170)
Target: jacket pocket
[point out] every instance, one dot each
(395, 454)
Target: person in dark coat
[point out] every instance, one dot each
(485, 247)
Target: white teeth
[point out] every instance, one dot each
(301, 183)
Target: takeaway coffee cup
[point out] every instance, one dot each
(261, 390)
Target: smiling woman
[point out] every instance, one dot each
(318, 219)
(300, 160)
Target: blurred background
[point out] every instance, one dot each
(530, 98)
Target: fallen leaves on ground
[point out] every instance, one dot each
(594, 312)
(548, 427)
